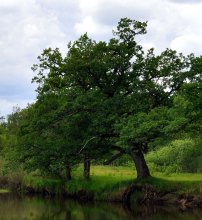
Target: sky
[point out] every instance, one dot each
(27, 27)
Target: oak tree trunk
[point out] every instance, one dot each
(68, 172)
(86, 167)
(140, 164)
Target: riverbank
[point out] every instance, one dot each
(118, 184)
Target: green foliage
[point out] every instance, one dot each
(125, 160)
(3, 133)
(178, 156)
(9, 152)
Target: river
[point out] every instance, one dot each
(38, 208)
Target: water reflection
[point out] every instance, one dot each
(36, 208)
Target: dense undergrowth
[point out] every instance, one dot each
(177, 157)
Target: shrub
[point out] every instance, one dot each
(178, 156)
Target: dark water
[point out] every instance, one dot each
(24, 208)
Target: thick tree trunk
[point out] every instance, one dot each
(68, 172)
(86, 172)
(140, 164)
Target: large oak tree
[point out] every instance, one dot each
(113, 94)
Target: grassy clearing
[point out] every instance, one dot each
(110, 181)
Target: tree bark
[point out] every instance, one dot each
(68, 172)
(140, 163)
(86, 168)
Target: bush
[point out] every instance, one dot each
(178, 156)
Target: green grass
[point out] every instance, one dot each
(188, 183)
(39, 184)
(3, 191)
(103, 177)
(109, 181)
(109, 178)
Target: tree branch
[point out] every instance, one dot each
(114, 157)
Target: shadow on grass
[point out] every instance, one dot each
(180, 186)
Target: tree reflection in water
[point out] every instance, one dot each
(25, 208)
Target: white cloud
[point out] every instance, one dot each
(186, 1)
(91, 27)
(7, 106)
(187, 44)
(167, 20)
(99, 17)
(27, 27)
